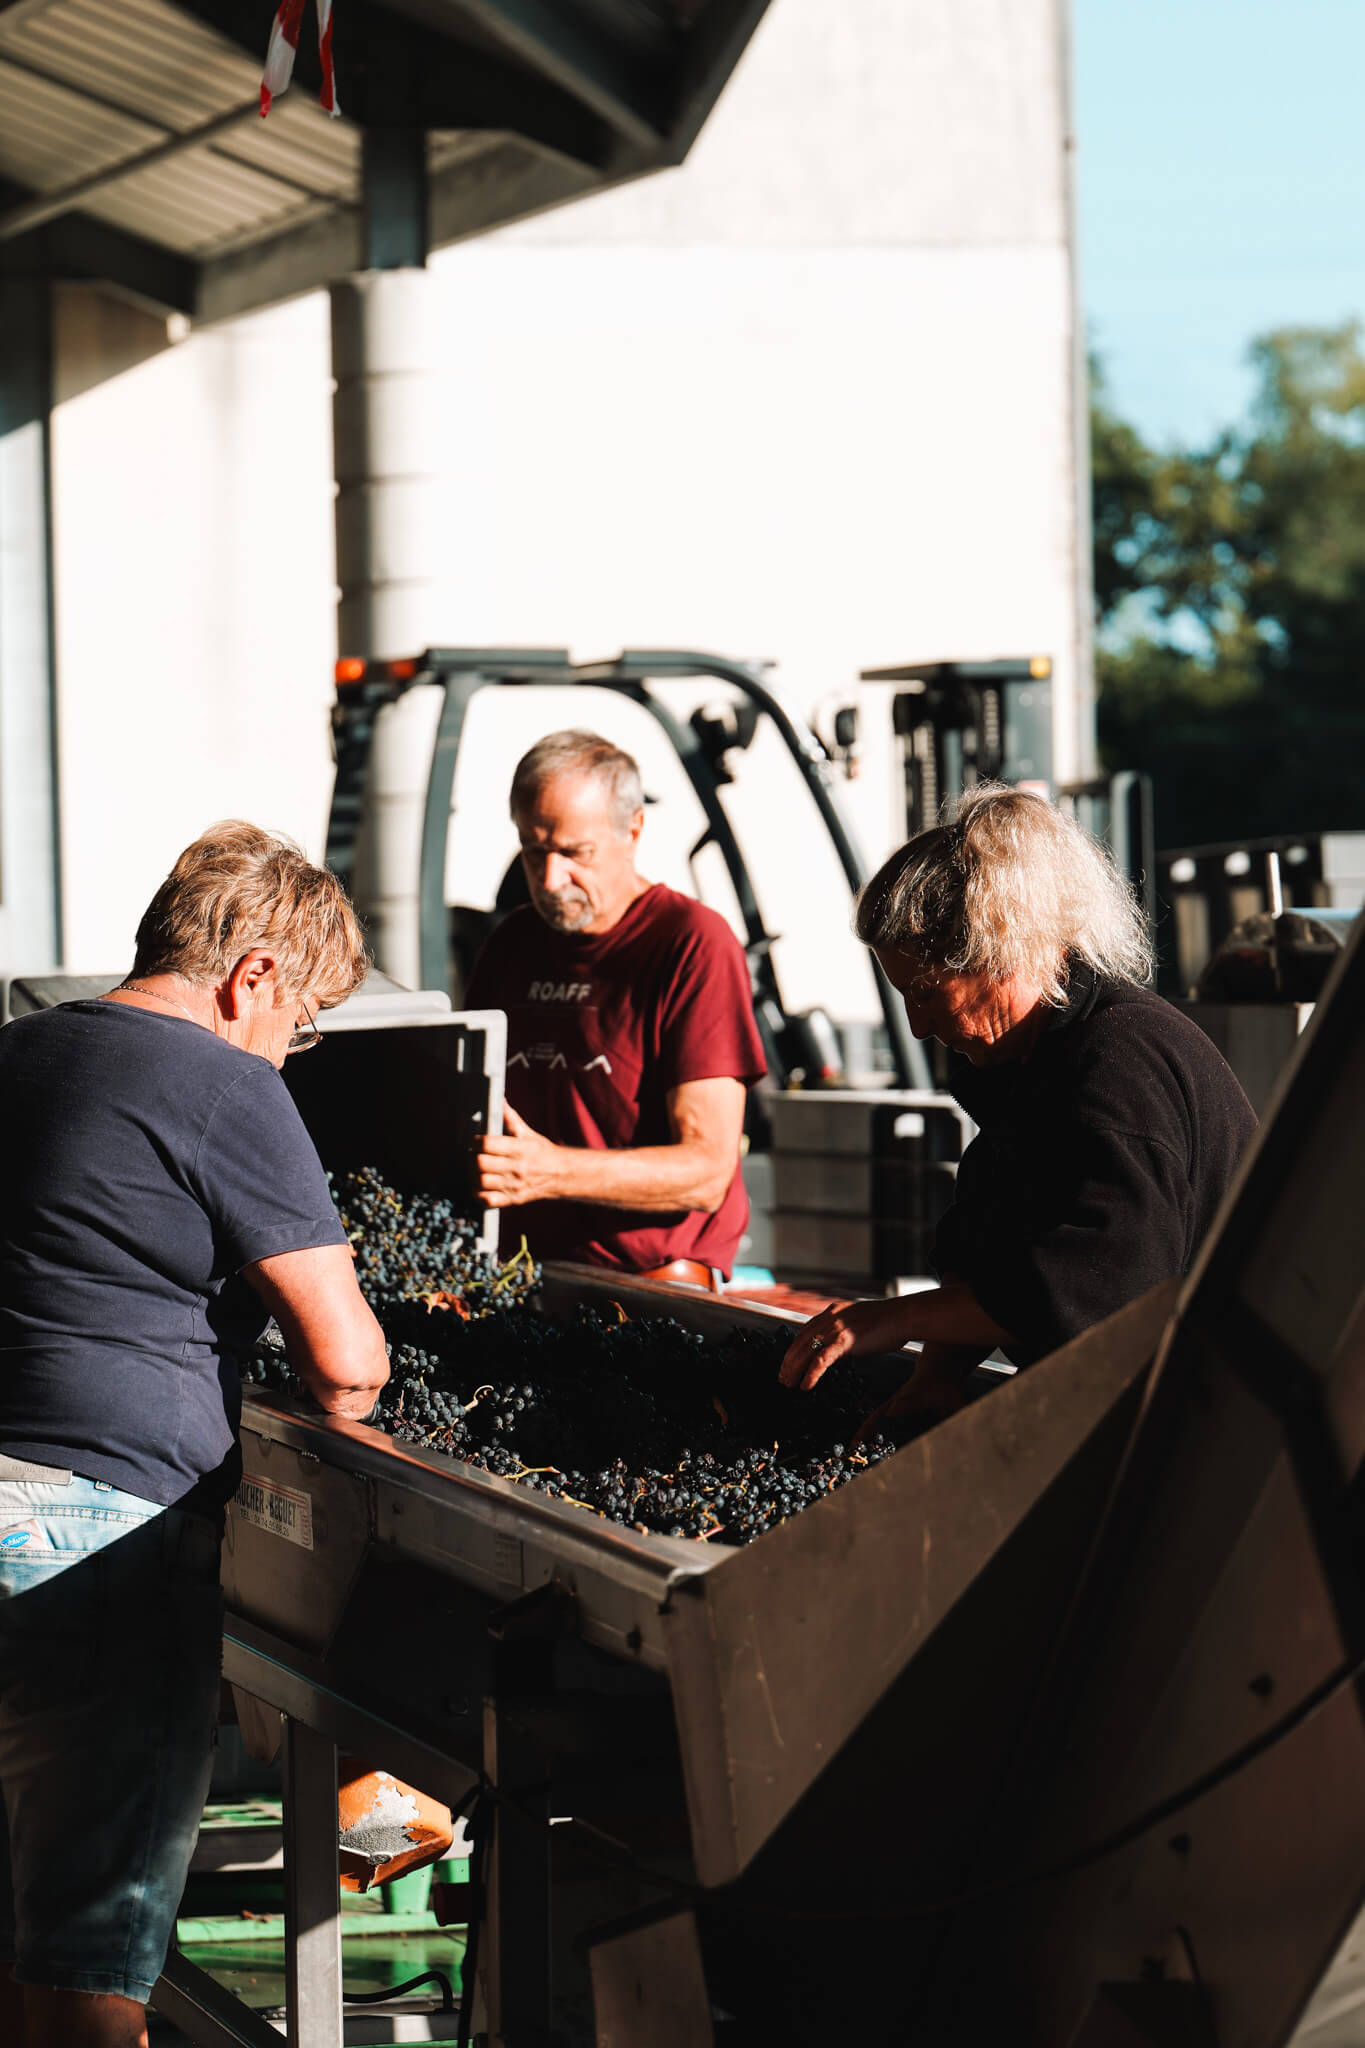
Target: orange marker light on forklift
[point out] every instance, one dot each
(350, 669)
(401, 671)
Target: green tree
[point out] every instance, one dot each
(1230, 597)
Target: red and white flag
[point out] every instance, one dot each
(284, 43)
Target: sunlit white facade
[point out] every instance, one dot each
(813, 397)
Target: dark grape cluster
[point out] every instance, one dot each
(637, 1419)
(415, 1247)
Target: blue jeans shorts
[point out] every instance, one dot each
(110, 1652)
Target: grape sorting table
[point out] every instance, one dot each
(678, 1700)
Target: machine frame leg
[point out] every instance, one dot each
(312, 1910)
(204, 2012)
(518, 1977)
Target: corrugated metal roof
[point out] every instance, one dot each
(142, 54)
(196, 201)
(50, 135)
(135, 73)
(300, 145)
(139, 115)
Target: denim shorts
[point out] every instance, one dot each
(110, 1651)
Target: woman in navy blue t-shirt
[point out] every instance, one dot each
(161, 1199)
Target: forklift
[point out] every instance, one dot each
(883, 1158)
(398, 728)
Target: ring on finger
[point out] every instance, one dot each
(817, 1343)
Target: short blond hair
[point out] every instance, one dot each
(1011, 886)
(238, 887)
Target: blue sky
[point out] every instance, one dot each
(1221, 191)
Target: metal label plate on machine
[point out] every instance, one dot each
(281, 1510)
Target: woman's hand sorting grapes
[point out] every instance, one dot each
(946, 1318)
(854, 1329)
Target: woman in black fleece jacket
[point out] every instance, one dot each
(1110, 1128)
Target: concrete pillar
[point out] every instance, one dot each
(385, 883)
(382, 360)
(30, 863)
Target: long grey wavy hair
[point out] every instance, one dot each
(1011, 886)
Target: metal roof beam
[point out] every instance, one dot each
(553, 39)
(506, 182)
(416, 80)
(714, 48)
(13, 61)
(89, 251)
(264, 273)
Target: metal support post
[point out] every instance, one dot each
(393, 168)
(312, 1911)
(518, 1947)
(518, 1975)
(30, 866)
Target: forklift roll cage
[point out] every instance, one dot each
(700, 744)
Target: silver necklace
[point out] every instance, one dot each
(136, 988)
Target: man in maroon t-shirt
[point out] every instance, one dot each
(630, 1036)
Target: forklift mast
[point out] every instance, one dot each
(963, 722)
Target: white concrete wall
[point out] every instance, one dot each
(194, 597)
(809, 397)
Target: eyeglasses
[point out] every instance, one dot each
(304, 1036)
